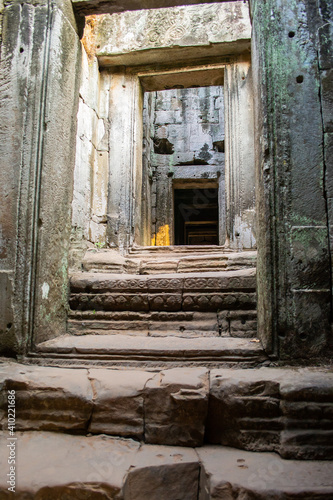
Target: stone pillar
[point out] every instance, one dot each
(38, 99)
(125, 171)
(294, 303)
(239, 143)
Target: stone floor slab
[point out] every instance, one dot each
(62, 467)
(230, 474)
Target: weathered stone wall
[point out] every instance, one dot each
(293, 193)
(38, 99)
(89, 206)
(187, 144)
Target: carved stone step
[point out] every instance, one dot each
(219, 291)
(104, 467)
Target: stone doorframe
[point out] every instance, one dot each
(40, 67)
(125, 162)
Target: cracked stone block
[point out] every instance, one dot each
(52, 399)
(230, 474)
(118, 402)
(176, 403)
(162, 473)
(273, 409)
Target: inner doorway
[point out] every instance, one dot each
(196, 215)
(184, 165)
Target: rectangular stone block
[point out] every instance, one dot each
(327, 99)
(162, 473)
(6, 312)
(218, 301)
(165, 302)
(118, 402)
(325, 33)
(310, 259)
(284, 410)
(50, 399)
(176, 403)
(328, 143)
(310, 308)
(165, 284)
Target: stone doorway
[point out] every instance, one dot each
(196, 214)
(155, 287)
(183, 130)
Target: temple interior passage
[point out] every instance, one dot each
(183, 156)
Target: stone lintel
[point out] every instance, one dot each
(182, 33)
(226, 51)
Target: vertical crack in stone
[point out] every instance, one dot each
(325, 194)
(94, 393)
(144, 407)
(199, 468)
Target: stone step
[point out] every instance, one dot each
(169, 260)
(178, 249)
(241, 324)
(141, 351)
(53, 466)
(206, 292)
(283, 410)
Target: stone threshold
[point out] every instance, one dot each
(170, 260)
(132, 350)
(102, 467)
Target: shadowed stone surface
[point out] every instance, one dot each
(273, 409)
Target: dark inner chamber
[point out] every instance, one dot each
(196, 216)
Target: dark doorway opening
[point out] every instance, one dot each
(196, 216)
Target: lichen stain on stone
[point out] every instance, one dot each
(162, 237)
(45, 290)
(89, 36)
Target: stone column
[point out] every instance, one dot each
(125, 170)
(38, 98)
(239, 144)
(294, 303)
